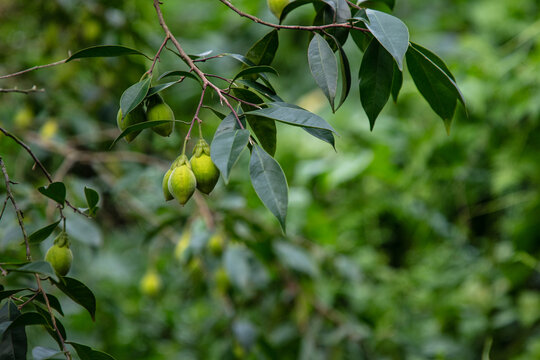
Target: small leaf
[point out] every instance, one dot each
(43, 233)
(87, 353)
(293, 115)
(105, 51)
(323, 66)
(262, 89)
(55, 191)
(133, 96)
(391, 32)
(255, 70)
(226, 149)
(269, 183)
(397, 82)
(79, 293)
(92, 197)
(376, 72)
(179, 73)
(38, 267)
(264, 50)
(141, 126)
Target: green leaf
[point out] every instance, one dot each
(376, 73)
(79, 293)
(55, 191)
(24, 319)
(92, 198)
(255, 70)
(293, 5)
(435, 59)
(295, 258)
(38, 267)
(264, 50)
(133, 96)
(87, 353)
(158, 88)
(391, 32)
(43, 353)
(345, 68)
(269, 183)
(13, 344)
(323, 66)
(261, 89)
(7, 293)
(53, 302)
(440, 91)
(43, 233)
(322, 134)
(397, 82)
(180, 73)
(50, 327)
(226, 149)
(141, 126)
(293, 115)
(241, 58)
(105, 51)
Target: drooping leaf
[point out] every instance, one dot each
(322, 134)
(391, 32)
(323, 66)
(53, 302)
(346, 80)
(105, 51)
(79, 293)
(264, 50)
(241, 58)
(260, 69)
(397, 82)
(435, 59)
(158, 88)
(49, 325)
(376, 73)
(269, 183)
(293, 115)
(55, 191)
(87, 353)
(38, 267)
(133, 96)
(13, 344)
(43, 233)
(24, 319)
(226, 149)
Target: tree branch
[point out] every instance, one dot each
(22, 91)
(33, 68)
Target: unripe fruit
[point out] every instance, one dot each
(136, 116)
(182, 182)
(150, 283)
(59, 255)
(165, 185)
(159, 110)
(206, 173)
(216, 242)
(277, 6)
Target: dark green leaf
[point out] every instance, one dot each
(264, 50)
(255, 70)
(50, 327)
(440, 91)
(397, 82)
(24, 319)
(42, 353)
(105, 51)
(87, 353)
(133, 96)
(391, 32)
(435, 59)
(293, 115)
(141, 126)
(13, 345)
(226, 149)
(43, 233)
(381, 5)
(53, 302)
(158, 88)
(79, 293)
(293, 5)
(262, 89)
(92, 197)
(55, 191)
(38, 267)
(323, 66)
(346, 80)
(241, 58)
(7, 293)
(322, 134)
(269, 183)
(179, 73)
(376, 73)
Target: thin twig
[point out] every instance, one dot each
(156, 57)
(22, 91)
(33, 68)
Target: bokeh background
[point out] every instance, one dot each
(405, 243)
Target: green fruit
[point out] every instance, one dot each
(136, 116)
(166, 193)
(59, 255)
(277, 6)
(182, 182)
(150, 283)
(159, 110)
(206, 173)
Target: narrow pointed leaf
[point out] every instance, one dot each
(264, 50)
(322, 134)
(179, 73)
(259, 70)
(133, 96)
(391, 32)
(226, 148)
(43, 233)
(292, 115)
(376, 73)
(87, 353)
(262, 89)
(323, 66)
(141, 126)
(397, 82)
(38, 267)
(269, 183)
(79, 293)
(105, 51)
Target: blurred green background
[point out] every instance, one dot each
(406, 243)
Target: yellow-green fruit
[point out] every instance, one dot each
(166, 193)
(182, 182)
(150, 283)
(59, 255)
(206, 173)
(216, 242)
(159, 110)
(136, 116)
(277, 6)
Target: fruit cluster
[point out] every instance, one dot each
(156, 109)
(184, 176)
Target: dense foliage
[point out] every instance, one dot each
(404, 243)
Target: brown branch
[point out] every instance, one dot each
(33, 68)
(156, 57)
(22, 91)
